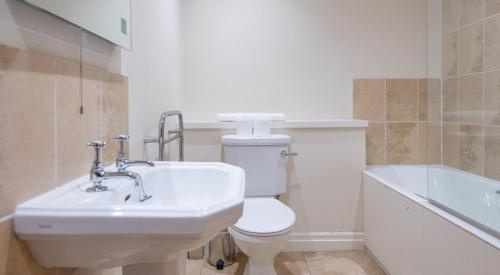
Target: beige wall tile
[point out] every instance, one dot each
(434, 138)
(450, 144)
(470, 11)
(429, 143)
(470, 94)
(429, 99)
(492, 44)
(492, 152)
(471, 148)
(450, 54)
(423, 143)
(492, 98)
(75, 130)
(450, 100)
(492, 7)
(27, 115)
(375, 143)
(471, 49)
(422, 100)
(15, 258)
(450, 14)
(402, 143)
(114, 112)
(402, 100)
(37, 93)
(369, 99)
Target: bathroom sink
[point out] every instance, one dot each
(190, 204)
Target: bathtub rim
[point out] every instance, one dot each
(480, 234)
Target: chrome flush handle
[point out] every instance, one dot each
(285, 154)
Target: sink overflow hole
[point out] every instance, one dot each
(127, 197)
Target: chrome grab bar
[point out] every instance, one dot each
(163, 139)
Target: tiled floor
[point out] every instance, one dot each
(311, 263)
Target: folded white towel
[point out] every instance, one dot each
(228, 117)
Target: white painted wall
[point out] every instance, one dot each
(297, 57)
(152, 67)
(434, 38)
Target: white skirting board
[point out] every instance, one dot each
(325, 241)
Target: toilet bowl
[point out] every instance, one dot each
(261, 233)
(266, 223)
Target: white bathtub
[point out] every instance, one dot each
(467, 196)
(409, 234)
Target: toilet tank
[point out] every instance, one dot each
(263, 159)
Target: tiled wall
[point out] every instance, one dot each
(43, 135)
(404, 119)
(471, 86)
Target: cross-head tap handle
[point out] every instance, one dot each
(97, 145)
(121, 139)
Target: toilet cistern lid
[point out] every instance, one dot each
(265, 216)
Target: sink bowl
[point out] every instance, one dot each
(190, 204)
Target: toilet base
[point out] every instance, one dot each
(260, 250)
(259, 269)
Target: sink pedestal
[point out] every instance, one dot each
(173, 267)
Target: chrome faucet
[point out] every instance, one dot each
(98, 175)
(122, 162)
(171, 135)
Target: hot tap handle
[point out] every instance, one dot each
(121, 138)
(97, 144)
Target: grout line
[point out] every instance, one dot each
(459, 31)
(306, 262)
(56, 125)
(470, 24)
(385, 122)
(472, 74)
(483, 164)
(418, 118)
(441, 119)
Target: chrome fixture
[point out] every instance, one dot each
(171, 135)
(286, 154)
(122, 162)
(98, 175)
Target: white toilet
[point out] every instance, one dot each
(266, 223)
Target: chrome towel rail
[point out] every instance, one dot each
(171, 135)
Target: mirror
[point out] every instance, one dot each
(109, 19)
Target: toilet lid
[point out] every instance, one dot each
(265, 216)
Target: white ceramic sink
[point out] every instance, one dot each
(190, 204)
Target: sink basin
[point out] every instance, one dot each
(190, 204)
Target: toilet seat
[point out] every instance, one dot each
(265, 217)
